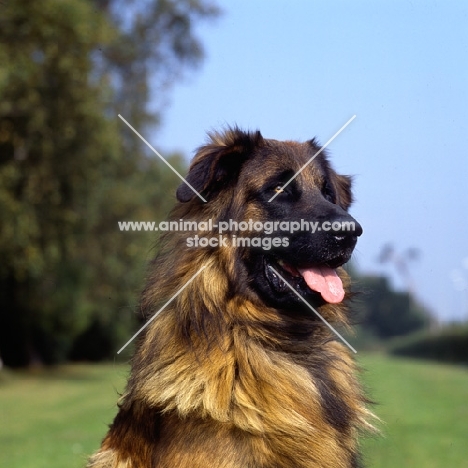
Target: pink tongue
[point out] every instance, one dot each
(325, 281)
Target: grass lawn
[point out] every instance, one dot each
(424, 409)
(55, 418)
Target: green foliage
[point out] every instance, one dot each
(69, 170)
(55, 143)
(384, 313)
(448, 344)
(53, 133)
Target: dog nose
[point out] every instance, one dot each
(346, 227)
(346, 231)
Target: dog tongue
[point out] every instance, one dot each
(325, 281)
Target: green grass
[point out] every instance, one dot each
(55, 418)
(424, 409)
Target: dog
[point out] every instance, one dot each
(237, 371)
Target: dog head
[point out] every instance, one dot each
(291, 188)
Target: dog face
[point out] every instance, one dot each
(239, 173)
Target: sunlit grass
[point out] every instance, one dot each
(55, 418)
(424, 407)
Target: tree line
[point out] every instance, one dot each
(69, 170)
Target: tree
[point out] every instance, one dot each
(67, 171)
(386, 313)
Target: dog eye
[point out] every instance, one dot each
(288, 190)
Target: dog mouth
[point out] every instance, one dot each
(319, 280)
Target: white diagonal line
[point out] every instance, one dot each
(313, 157)
(313, 310)
(161, 309)
(160, 157)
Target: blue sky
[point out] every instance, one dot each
(299, 69)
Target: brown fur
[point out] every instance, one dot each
(219, 378)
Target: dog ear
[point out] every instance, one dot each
(343, 190)
(218, 163)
